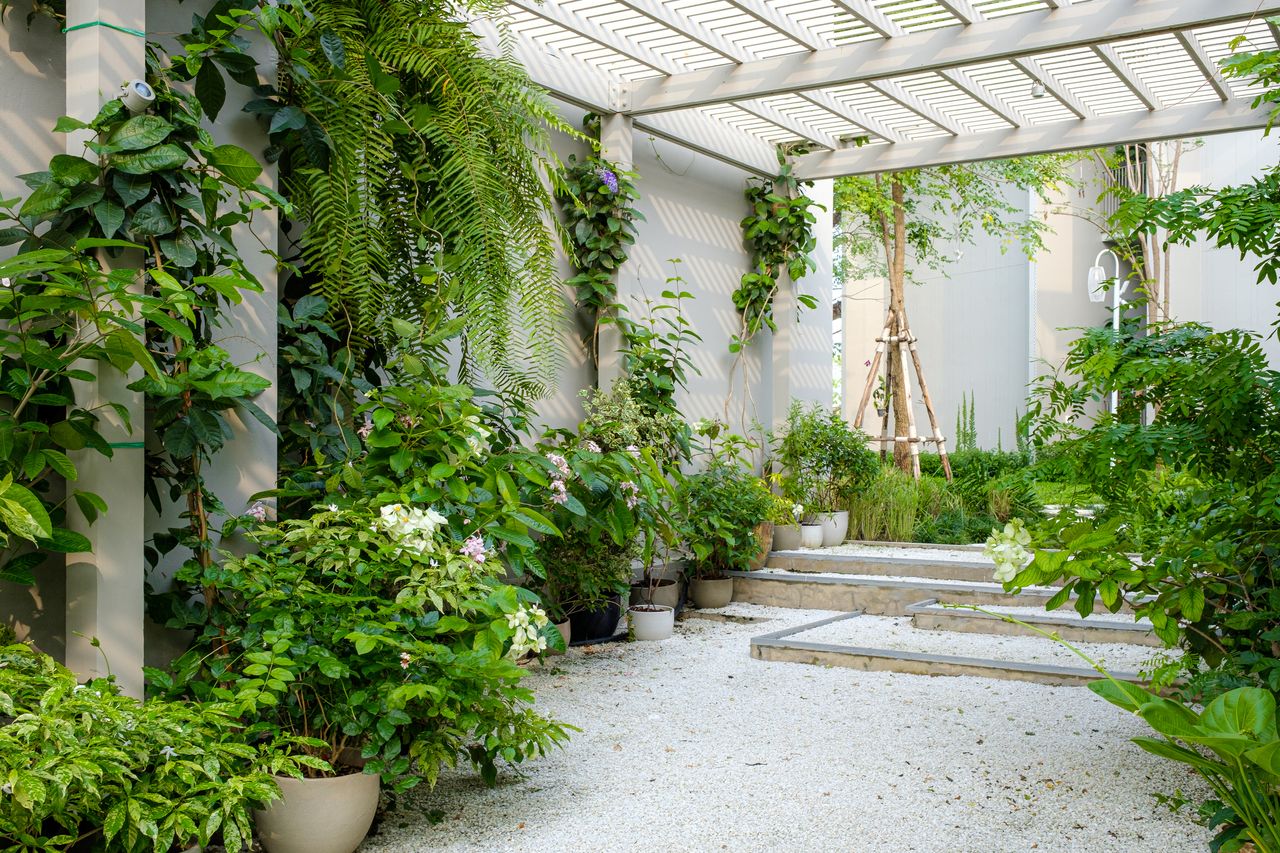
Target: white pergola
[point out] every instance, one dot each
(876, 85)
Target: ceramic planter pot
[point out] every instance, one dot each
(786, 537)
(666, 592)
(652, 621)
(711, 594)
(593, 625)
(835, 527)
(329, 815)
(764, 535)
(811, 536)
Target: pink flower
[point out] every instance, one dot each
(404, 660)
(365, 430)
(258, 511)
(632, 493)
(474, 548)
(561, 464)
(559, 495)
(867, 363)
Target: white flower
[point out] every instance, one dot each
(168, 752)
(7, 282)
(1008, 550)
(411, 528)
(332, 507)
(797, 510)
(405, 659)
(6, 788)
(591, 446)
(527, 622)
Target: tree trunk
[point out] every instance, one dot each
(898, 305)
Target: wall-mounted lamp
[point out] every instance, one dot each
(1097, 293)
(1038, 90)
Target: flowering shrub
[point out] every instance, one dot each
(82, 767)
(374, 628)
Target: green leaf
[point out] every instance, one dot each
(334, 50)
(211, 90)
(66, 124)
(44, 201)
(152, 220)
(139, 132)
(70, 171)
(289, 118)
(110, 217)
(239, 166)
(131, 188)
(19, 569)
(65, 541)
(158, 159)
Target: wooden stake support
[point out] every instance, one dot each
(906, 345)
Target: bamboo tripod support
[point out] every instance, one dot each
(905, 343)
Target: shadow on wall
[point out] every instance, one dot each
(33, 72)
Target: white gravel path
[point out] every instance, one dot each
(936, 554)
(691, 745)
(1069, 613)
(896, 632)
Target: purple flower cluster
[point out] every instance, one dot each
(609, 179)
(632, 492)
(559, 492)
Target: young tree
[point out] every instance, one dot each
(890, 225)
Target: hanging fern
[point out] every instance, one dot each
(418, 164)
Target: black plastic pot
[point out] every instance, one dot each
(595, 625)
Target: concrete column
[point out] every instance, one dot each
(105, 586)
(617, 145)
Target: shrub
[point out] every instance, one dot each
(721, 508)
(83, 767)
(886, 509)
(824, 462)
(373, 628)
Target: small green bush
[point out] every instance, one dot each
(722, 507)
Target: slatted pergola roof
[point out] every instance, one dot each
(876, 85)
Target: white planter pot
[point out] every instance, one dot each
(329, 815)
(786, 537)
(811, 536)
(652, 621)
(712, 594)
(835, 527)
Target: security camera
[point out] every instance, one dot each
(137, 96)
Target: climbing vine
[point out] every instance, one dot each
(600, 216)
(779, 234)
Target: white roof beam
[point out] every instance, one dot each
(765, 13)
(880, 23)
(1191, 44)
(659, 11)
(1121, 69)
(825, 100)
(960, 10)
(894, 91)
(582, 85)
(1020, 35)
(962, 81)
(1053, 86)
(773, 115)
(1125, 128)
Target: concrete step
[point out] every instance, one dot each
(973, 571)
(791, 645)
(873, 594)
(1102, 627)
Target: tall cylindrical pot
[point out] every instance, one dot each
(811, 536)
(330, 815)
(601, 624)
(786, 537)
(835, 527)
(665, 592)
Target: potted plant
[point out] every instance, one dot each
(786, 532)
(721, 507)
(367, 634)
(781, 514)
(827, 462)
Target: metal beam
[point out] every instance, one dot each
(1053, 86)
(1209, 68)
(1121, 69)
(1020, 35)
(1123, 129)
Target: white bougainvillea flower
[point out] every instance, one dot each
(1008, 550)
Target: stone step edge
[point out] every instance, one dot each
(1139, 635)
(779, 640)
(870, 559)
(1030, 592)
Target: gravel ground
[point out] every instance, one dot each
(896, 632)
(857, 549)
(691, 745)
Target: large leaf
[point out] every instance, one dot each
(1249, 711)
(19, 569)
(211, 89)
(239, 166)
(152, 220)
(25, 513)
(158, 159)
(1122, 694)
(138, 133)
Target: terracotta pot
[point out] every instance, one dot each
(652, 621)
(835, 527)
(331, 815)
(563, 628)
(665, 592)
(711, 594)
(811, 536)
(764, 535)
(786, 537)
